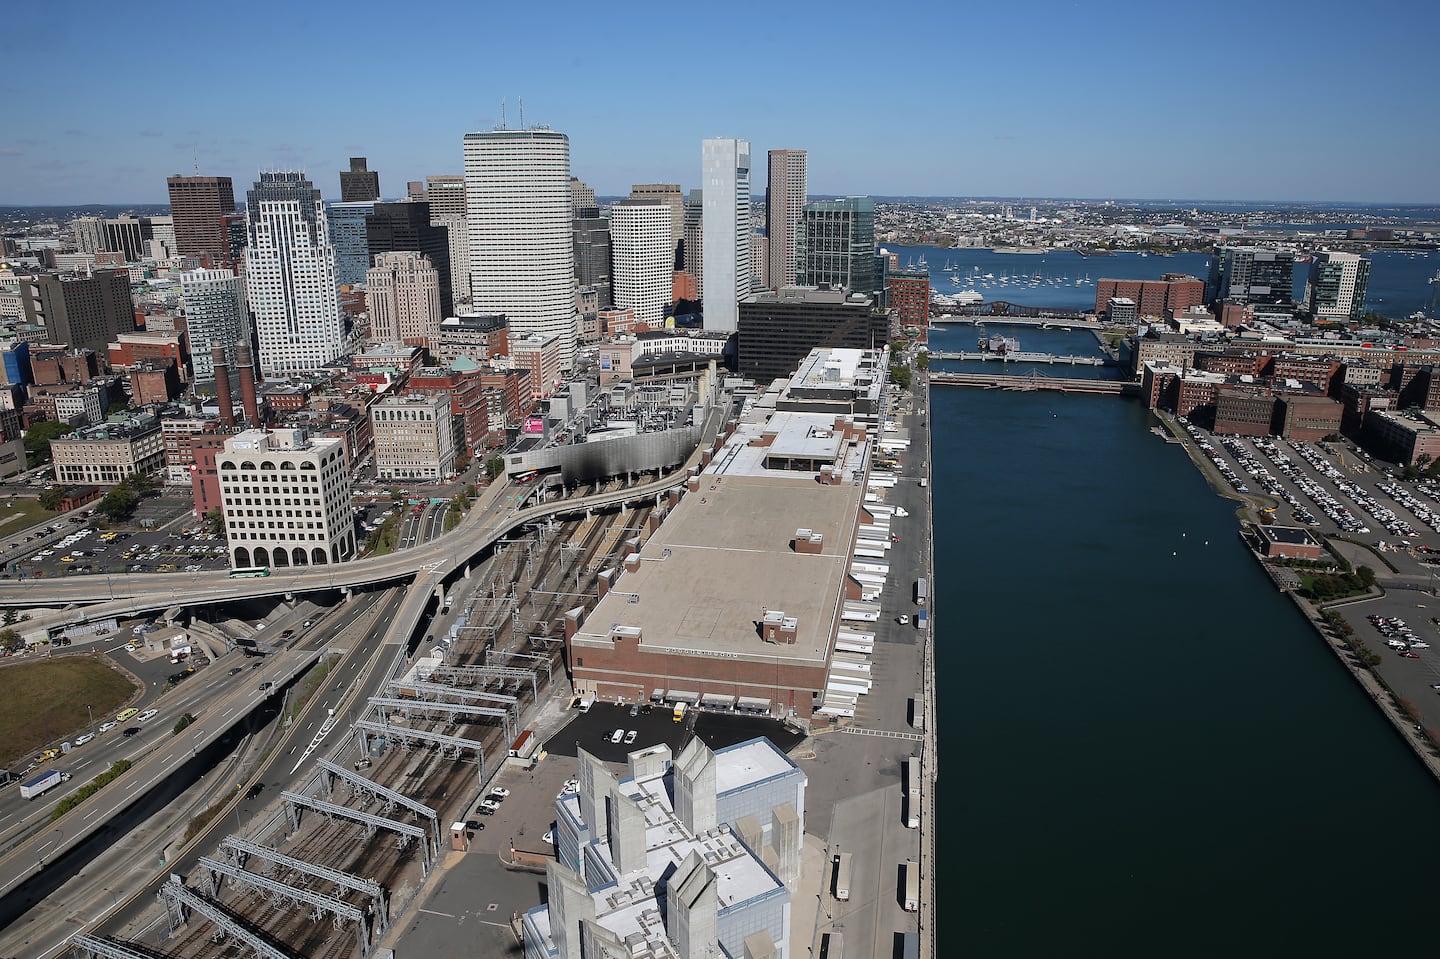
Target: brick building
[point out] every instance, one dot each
(154, 382)
(1162, 297)
(1309, 417)
(1244, 411)
(908, 296)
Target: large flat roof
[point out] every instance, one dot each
(723, 558)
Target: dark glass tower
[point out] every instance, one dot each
(359, 182)
(836, 241)
(405, 226)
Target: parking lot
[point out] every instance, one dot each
(594, 731)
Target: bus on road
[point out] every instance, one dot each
(249, 572)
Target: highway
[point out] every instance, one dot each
(492, 517)
(218, 703)
(111, 888)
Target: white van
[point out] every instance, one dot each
(617, 735)
(586, 701)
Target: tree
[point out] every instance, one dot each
(38, 437)
(900, 375)
(142, 483)
(119, 503)
(9, 639)
(462, 462)
(898, 346)
(52, 497)
(922, 361)
(494, 466)
(215, 522)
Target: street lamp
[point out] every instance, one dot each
(92, 717)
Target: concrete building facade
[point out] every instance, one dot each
(286, 499)
(402, 292)
(644, 255)
(785, 195)
(106, 453)
(290, 276)
(414, 438)
(522, 253)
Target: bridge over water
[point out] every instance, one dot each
(1035, 381)
(1022, 356)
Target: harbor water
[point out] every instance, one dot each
(1146, 750)
(1063, 279)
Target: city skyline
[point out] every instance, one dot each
(1016, 111)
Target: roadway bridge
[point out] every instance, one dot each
(1022, 356)
(1035, 382)
(493, 517)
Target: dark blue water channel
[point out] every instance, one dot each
(1145, 749)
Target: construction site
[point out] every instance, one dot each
(340, 854)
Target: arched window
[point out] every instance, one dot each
(287, 465)
(267, 465)
(307, 465)
(227, 465)
(242, 556)
(299, 554)
(262, 556)
(280, 558)
(317, 556)
(247, 465)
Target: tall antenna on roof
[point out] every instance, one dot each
(197, 158)
(522, 111)
(502, 113)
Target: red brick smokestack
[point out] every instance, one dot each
(247, 383)
(222, 386)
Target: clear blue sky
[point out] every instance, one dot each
(1228, 99)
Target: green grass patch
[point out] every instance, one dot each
(207, 816)
(19, 513)
(45, 699)
(307, 686)
(382, 541)
(90, 789)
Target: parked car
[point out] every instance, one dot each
(499, 792)
(630, 736)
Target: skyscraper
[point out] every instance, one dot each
(725, 178)
(407, 225)
(593, 255)
(359, 182)
(522, 253)
(446, 195)
(198, 205)
(89, 234)
(214, 316)
(402, 293)
(290, 275)
(1336, 287)
(692, 250)
(836, 244)
(350, 237)
(670, 195)
(784, 197)
(644, 253)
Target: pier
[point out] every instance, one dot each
(1021, 356)
(1035, 381)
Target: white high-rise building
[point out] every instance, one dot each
(259, 468)
(214, 316)
(522, 252)
(402, 293)
(643, 252)
(290, 276)
(725, 180)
